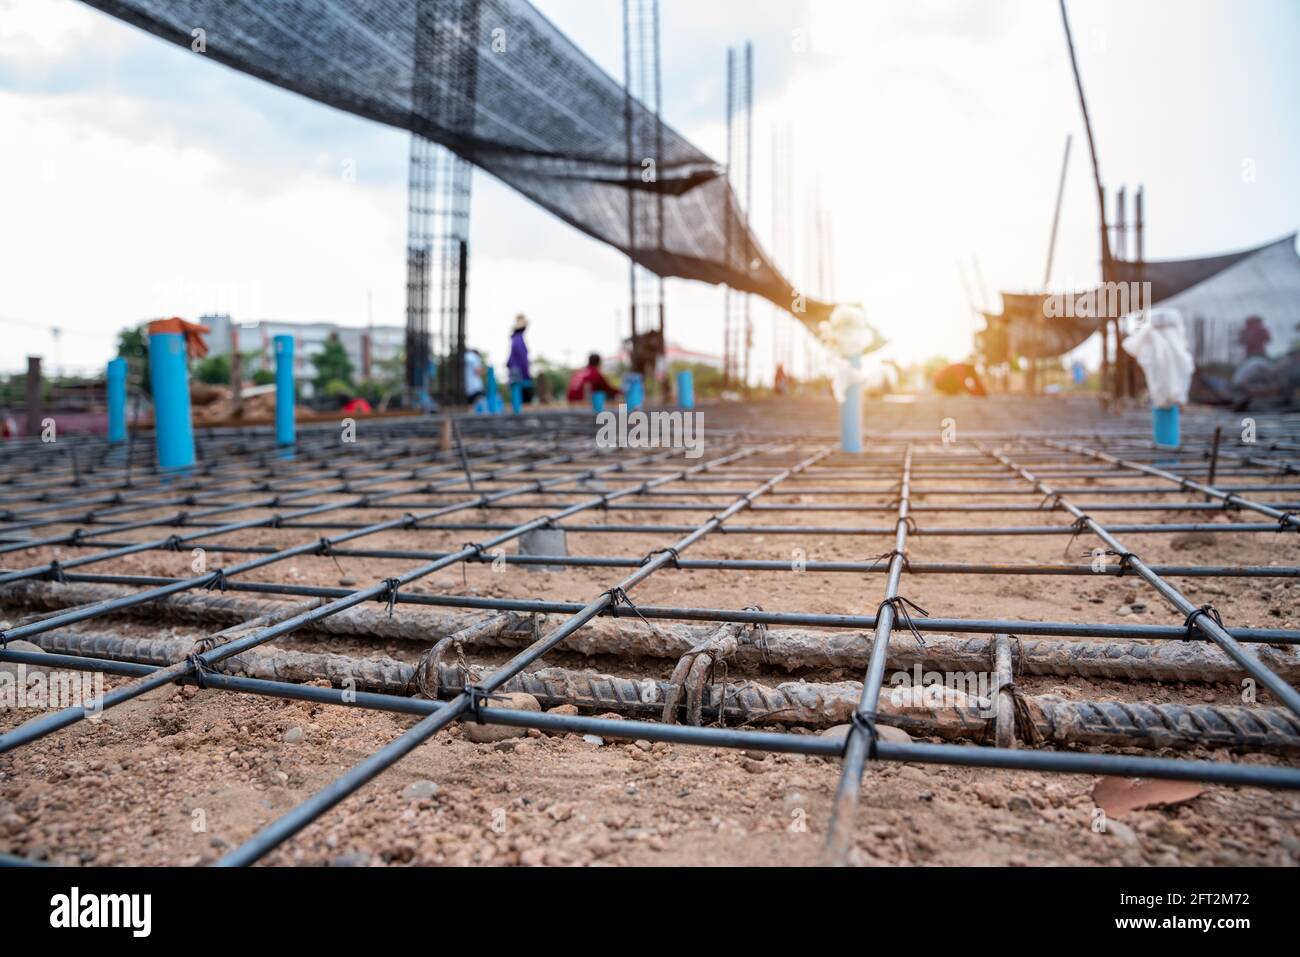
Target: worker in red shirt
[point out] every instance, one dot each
(958, 378)
(1255, 337)
(587, 382)
(355, 405)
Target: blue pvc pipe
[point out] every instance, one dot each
(494, 406)
(116, 379)
(516, 397)
(284, 427)
(851, 414)
(598, 400)
(686, 389)
(635, 390)
(1165, 427)
(170, 377)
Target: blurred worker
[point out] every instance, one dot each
(354, 404)
(1255, 337)
(780, 382)
(517, 364)
(587, 382)
(474, 391)
(958, 378)
(8, 425)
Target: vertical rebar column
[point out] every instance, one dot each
(33, 396)
(643, 134)
(739, 254)
(438, 203)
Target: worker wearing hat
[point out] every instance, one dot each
(517, 365)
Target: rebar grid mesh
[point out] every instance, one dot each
(82, 513)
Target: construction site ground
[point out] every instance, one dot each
(181, 775)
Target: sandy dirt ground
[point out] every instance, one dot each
(179, 776)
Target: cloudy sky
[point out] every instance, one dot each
(137, 180)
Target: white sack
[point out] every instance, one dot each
(848, 333)
(1160, 346)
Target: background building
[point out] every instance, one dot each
(368, 348)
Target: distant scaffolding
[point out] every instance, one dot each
(645, 210)
(737, 330)
(783, 330)
(437, 243)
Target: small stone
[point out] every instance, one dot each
(1190, 540)
(293, 735)
(1019, 803)
(347, 582)
(1122, 833)
(595, 739)
(752, 766)
(492, 733)
(350, 860)
(533, 857)
(643, 744)
(884, 732)
(419, 791)
(887, 732)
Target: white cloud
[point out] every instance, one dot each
(34, 33)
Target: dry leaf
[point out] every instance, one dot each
(1119, 796)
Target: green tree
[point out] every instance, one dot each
(214, 370)
(133, 346)
(332, 365)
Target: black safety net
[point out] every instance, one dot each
(1040, 326)
(495, 82)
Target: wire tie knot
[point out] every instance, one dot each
(199, 667)
(1125, 561)
(889, 556)
(865, 723)
(669, 550)
(390, 593)
(476, 698)
(1078, 528)
(901, 606)
(1207, 611)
